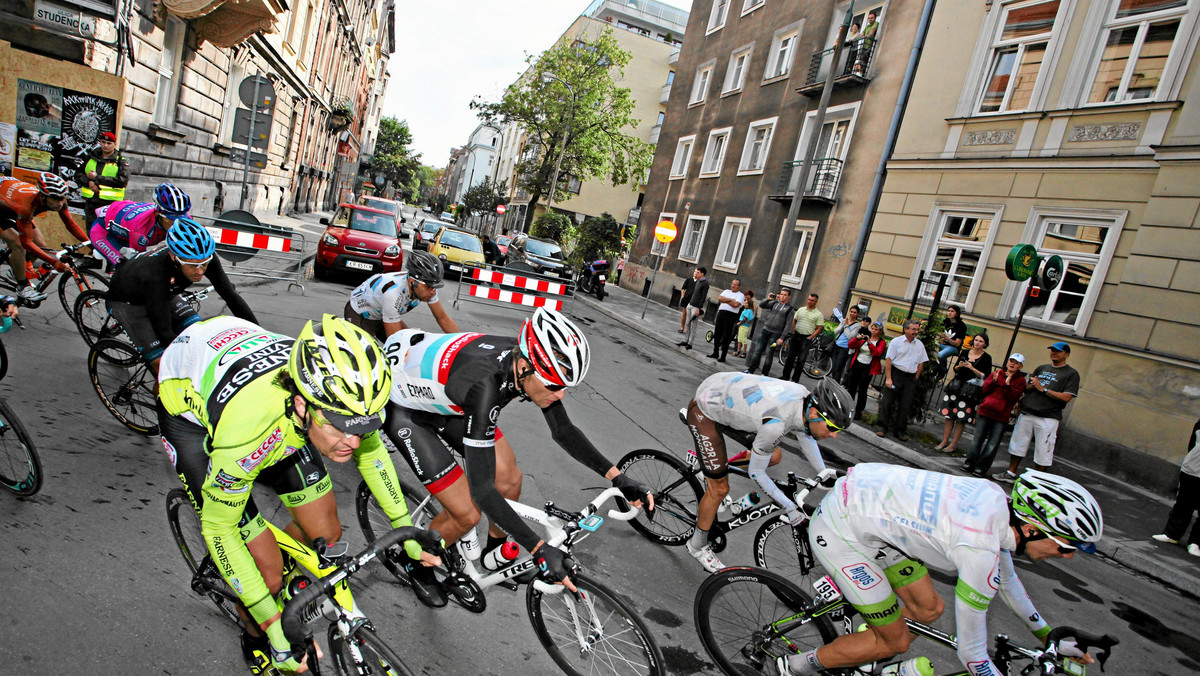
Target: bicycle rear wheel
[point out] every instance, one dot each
(738, 613)
(124, 384)
(818, 363)
(677, 495)
(364, 653)
(92, 318)
(782, 353)
(422, 507)
(20, 467)
(599, 635)
(786, 550)
(185, 527)
(69, 288)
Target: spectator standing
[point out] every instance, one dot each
(102, 179)
(729, 304)
(620, 268)
(1001, 391)
(684, 297)
(491, 252)
(1187, 499)
(852, 40)
(1051, 387)
(868, 41)
(906, 357)
(807, 324)
(846, 330)
(745, 321)
(963, 394)
(775, 315)
(868, 348)
(695, 307)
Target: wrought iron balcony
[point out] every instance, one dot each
(823, 180)
(853, 65)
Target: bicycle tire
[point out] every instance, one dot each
(92, 319)
(776, 549)
(677, 495)
(69, 288)
(185, 527)
(782, 353)
(734, 611)
(375, 657)
(124, 384)
(422, 507)
(20, 466)
(3, 360)
(622, 644)
(818, 363)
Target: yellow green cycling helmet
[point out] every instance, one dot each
(340, 369)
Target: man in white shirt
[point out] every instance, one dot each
(906, 357)
(729, 304)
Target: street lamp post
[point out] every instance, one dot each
(563, 148)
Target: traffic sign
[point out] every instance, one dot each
(1050, 272)
(1021, 263)
(500, 208)
(241, 128)
(665, 232)
(266, 93)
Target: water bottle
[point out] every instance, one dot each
(501, 556)
(917, 666)
(470, 545)
(745, 502)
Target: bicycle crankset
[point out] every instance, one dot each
(465, 591)
(716, 537)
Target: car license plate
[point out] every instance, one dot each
(454, 267)
(359, 266)
(602, 278)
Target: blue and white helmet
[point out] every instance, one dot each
(189, 240)
(172, 202)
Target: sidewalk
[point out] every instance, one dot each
(1131, 515)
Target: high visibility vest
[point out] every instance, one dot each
(107, 192)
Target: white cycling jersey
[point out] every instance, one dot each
(419, 370)
(385, 297)
(768, 407)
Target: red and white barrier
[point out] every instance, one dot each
(251, 240)
(515, 289)
(527, 283)
(505, 296)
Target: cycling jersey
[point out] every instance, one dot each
(879, 518)
(220, 374)
(19, 204)
(127, 224)
(385, 297)
(467, 375)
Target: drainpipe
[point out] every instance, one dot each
(889, 147)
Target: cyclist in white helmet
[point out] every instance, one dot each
(882, 524)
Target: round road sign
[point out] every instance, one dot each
(500, 208)
(1022, 262)
(665, 232)
(1050, 272)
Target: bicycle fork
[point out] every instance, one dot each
(588, 640)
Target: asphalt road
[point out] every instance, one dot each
(94, 583)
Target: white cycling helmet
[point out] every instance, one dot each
(1059, 507)
(555, 347)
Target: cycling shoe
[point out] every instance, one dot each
(425, 585)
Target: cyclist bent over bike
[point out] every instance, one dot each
(20, 202)
(238, 405)
(882, 524)
(741, 405)
(447, 392)
(137, 226)
(379, 304)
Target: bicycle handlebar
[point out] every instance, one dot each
(295, 625)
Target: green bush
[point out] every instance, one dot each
(552, 225)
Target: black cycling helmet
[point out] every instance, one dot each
(425, 268)
(834, 403)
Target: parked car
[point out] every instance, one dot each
(393, 207)
(544, 256)
(359, 238)
(454, 247)
(424, 235)
(502, 243)
(446, 217)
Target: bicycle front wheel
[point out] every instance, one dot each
(20, 468)
(782, 352)
(786, 550)
(818, 364)
(364, 653)
(599, 635)
(70, 286)
(422, 507)
(740, 612)
(185, 527)
(677, 495)
(92, 318)
(124, 384)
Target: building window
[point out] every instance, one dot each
(1138, 40)
(658, 248)
(758, 144)
(797, 270)
(833, 145)
(716, 19)
(714, 152)
(1018, 53)
(700, 85)
(779, 59)
(733, 238)
(1086, 240)
(956, 251)
(693, 238)
(670, 77)
(237, 72)
(683, 156)
(751, 5)
(735, 75)
(167, 92)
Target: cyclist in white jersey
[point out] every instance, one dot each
(378, 304)
(881, 524)
(740, 405)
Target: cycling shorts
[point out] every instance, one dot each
(426, 440)
(136, 323)
(371, 326)
(866, 570)
(298, 479)
(709, 437)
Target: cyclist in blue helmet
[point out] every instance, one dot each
(172, 202)
(144, 292)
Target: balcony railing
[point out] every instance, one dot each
(635, 214)
(665, 94)
(823, 180)
(673, 58)
(655, 132)
(853, 65)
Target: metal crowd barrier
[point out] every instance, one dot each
(512, 288)
(258, 250)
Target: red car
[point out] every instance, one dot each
(502, 243)
(359, 239)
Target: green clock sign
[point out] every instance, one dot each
(1022, 262)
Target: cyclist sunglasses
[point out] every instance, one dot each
(1065, 545)
(829, 423)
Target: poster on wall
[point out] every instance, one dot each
(8, 147)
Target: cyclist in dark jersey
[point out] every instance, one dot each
(144, 292)
(448, 389)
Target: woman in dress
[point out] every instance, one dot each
(964, 392)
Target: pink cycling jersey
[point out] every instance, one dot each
(126, 224)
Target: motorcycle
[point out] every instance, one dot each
(592, 277)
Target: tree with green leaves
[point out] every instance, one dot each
(481, 198)
(427, 178)
(396, 160)
(590, 111)
(553, 225)
(598, 237)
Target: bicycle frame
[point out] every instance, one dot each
(307, 558)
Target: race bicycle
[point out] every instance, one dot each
(748, 617)
(594, 632)
(70, 284)
(315, 585)
(20, 467)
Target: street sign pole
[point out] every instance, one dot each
(249, 144)
(665, 233)
(653, 277)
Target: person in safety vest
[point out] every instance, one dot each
(102, 179)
